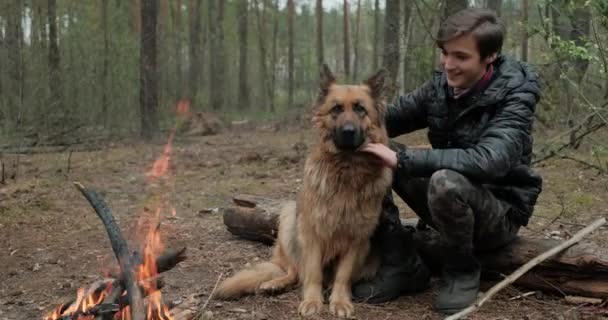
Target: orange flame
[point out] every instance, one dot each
(85, 301)
(161, 165)
(145, 275)
(147, 272)
(183, 107)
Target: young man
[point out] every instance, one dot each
(475, 186)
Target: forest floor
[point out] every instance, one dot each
(51, 242)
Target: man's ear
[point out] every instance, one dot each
(491, 58)
(326, 80)
(377, 83)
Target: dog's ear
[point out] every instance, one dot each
(327, 78)
(377, 83)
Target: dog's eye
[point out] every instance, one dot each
(359, 109)
(337, 109)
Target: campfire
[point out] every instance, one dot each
(133, 293)
(122, 296)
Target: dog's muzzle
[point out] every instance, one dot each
(348, 137)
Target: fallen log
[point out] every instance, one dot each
(253, 218)
(580, 270)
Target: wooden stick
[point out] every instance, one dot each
(526, 267)
(201, 311)
(523, 295)
(582, 300)
(2, 181)
(120, 248)
(67, 170)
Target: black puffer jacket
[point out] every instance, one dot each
(486, 136)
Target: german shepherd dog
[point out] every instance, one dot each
(327, 232)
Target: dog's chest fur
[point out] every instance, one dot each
(343, 196)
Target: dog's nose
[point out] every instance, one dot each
(348, 130)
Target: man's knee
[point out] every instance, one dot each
(446, 186)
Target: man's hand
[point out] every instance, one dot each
(388, 156)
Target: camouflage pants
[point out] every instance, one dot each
(467, 215)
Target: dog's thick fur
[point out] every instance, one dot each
(338, 207)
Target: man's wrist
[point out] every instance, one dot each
(402, 157)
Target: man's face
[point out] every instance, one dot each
(461, 61)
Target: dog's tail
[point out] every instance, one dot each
(248, 281)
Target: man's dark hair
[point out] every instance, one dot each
(481, 23)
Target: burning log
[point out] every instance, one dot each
(139, 276)
(580, 270)
(121, 251)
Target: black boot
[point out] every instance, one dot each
(401, 270)
(459, 283)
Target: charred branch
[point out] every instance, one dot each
(121, 251)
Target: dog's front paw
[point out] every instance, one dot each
(342, 308)
(310, 307)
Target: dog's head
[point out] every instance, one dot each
(351, 115)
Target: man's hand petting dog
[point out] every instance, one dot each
(388, 156)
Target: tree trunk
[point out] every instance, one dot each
(559, 22)
(216, 55)
(410, 67)
(194, 50)
(261, 31)
(148, 90)
(167, 84)
(356, 44)
(41, 48)
(524, 31)
(176, 12)
(14, 44)
(106, 64)
(319, 17)
(581, 26)
(376, 40)
(291, 55)
(453, 6)
(243, 8)
(346, 40)
(274, 55)
(70, 77)
(136, 16)
(571, 24)
(55, 83)
(495, 5)
(391, 43)
(407, 19)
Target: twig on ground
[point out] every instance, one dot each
(526, 267)
(551, 285)
(2, 180)
(523, 295)
(587, 164)
(582, 300)
(67, 170)
(201, 311)
(561, 222)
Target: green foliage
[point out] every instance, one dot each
(570, 50)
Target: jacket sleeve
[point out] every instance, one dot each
(496, 153)
(408, 112)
